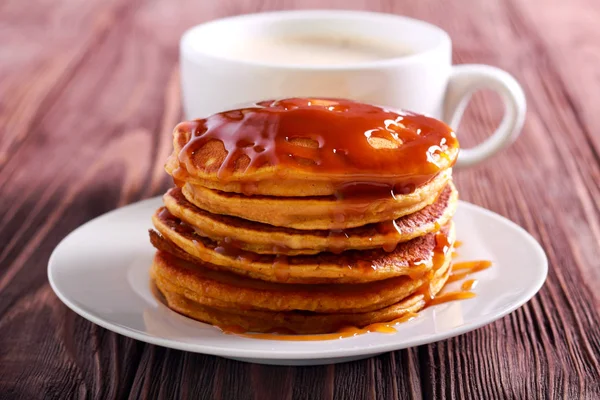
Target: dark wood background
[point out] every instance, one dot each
(88, 96)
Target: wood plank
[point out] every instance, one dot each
(90, 94)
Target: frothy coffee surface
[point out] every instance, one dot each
(313, 50)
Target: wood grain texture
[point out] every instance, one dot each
(89, 94)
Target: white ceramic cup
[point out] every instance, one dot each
(424, 81)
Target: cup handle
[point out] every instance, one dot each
(464, 81)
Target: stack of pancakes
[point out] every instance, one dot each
(267, 231)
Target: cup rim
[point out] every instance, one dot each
(187, 49)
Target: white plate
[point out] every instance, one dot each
(100, 271)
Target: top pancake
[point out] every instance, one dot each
(311, 147)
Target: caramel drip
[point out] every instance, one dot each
(364, 265)
(455, 277)
(232, 248)
(390, 229)
(369, 150)
(442, 243)
(472, 266)
(469, 284)
(450, 296)
(282, 268)
(339, 240)
(467, 268)
(442, 247)
(417, 273)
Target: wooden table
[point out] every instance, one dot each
(89, 94)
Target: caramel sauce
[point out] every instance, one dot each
(472, 266)
(386, 227)
(360, 194)
(469, 284)
(450, 296)
(417, 274)
(232, 248)
(467, 268)
(339, 240)
(442, 243)
(282, 268)
(442, 246)
(175, 222)
(365, 265)
(369, 150)
(165, 214)
(389, 228)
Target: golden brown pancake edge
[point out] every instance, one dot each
(411, 258)
(321, 212)
(226, 290)
(266, 239)
(299, 322)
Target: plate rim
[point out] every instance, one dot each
(272, 354)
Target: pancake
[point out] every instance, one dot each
(310, 147)
(262, 307)
(306, 215)
(266, 239)
(412, 258)
(323, 212)
(226, 290)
